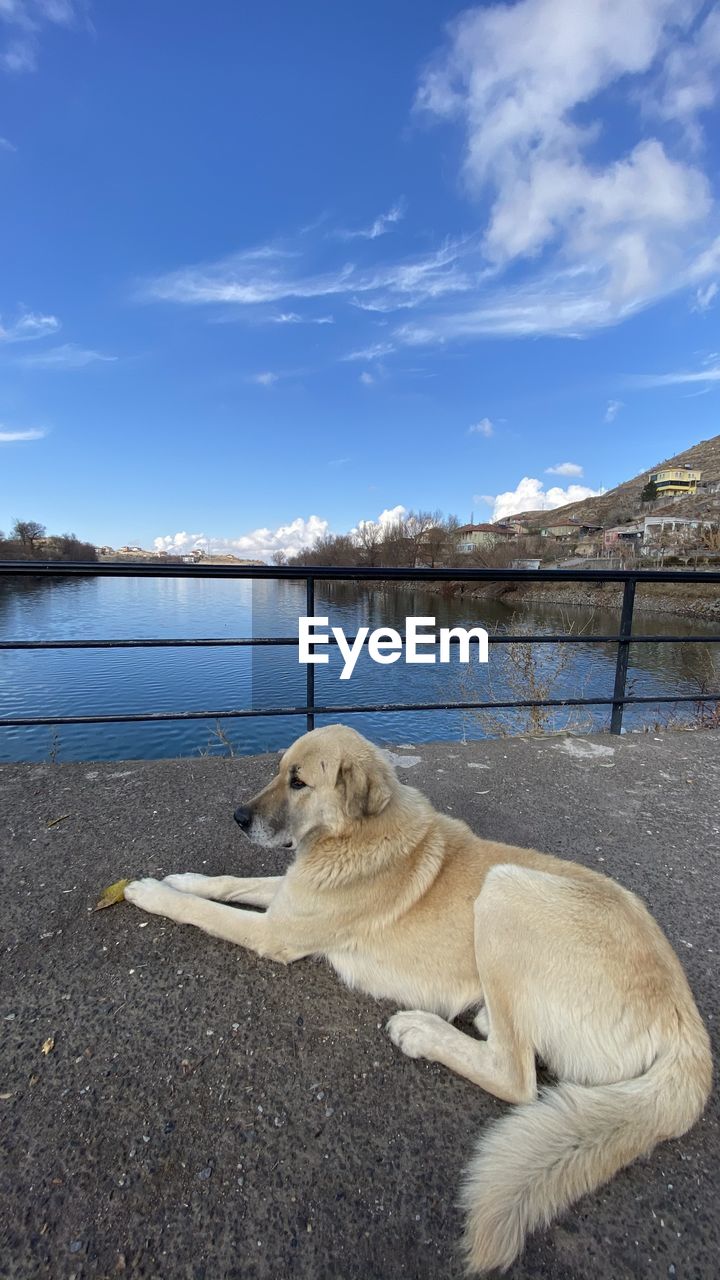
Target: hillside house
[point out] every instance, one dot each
(673, 482)
(474, 537)
(561, 529)
(665, 532)
(655, 526)
(624, 533)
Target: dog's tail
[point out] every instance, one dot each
(546, 1154)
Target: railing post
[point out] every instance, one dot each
(623, 654)
(310, 669)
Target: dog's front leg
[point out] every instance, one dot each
(259, 932)
(258, 891)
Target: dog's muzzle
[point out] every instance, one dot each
(243, 817)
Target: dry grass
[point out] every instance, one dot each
(219, 735)
(529, 671)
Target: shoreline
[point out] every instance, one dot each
(688, 600)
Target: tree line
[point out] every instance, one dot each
(28, 540)
(412, 539)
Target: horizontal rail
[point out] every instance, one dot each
(251, 712)
(291, 573)
(260, 641)
(309, 575)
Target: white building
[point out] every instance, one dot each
(655, 526)
(665, 532)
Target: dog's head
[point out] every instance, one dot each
(327, 782)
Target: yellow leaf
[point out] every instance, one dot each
(48, 1045)
(114, 893)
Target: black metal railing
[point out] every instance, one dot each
(628, 578)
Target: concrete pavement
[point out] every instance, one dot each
(205, 1114)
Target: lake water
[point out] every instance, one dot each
(85, 682)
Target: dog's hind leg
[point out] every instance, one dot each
(501, 1064)
(256, 892)
(504, 1063)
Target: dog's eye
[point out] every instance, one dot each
(297, 784)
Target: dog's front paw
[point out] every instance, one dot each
(416, 1032)
(154, 896)
(189, 882)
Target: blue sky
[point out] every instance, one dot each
(271, 269)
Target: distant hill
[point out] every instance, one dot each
(623, 502)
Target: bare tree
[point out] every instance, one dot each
(332, 549)
(439, 544)
(710, 537)
(626, 549)
(27, 532)
(417, 526)
(279, 558)
(68, 547)
(369, 538)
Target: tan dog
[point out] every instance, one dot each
(561, 962)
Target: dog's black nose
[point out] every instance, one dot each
(243, 817)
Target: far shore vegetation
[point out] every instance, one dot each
(29, 540)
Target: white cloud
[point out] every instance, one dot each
(67, 356)
(706, 264)
(609, 237)
(391, 515)
(180, 542)
(687, 83)
(705, 296)
(367, 379)
(531, 495)
(272, 273)
(613, 409)
(25, 20)
(11, 437)
(7, 145)
(580, 225)
(374, 352)
(266, 379)
(259, 544)
(385, 520)
(246, 278)
(292, 317)
(28, 326)
(564, 469)
(515, 314)
(482, 428)
(379, 227)
(710, 374)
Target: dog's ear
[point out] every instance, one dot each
(366, 787)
